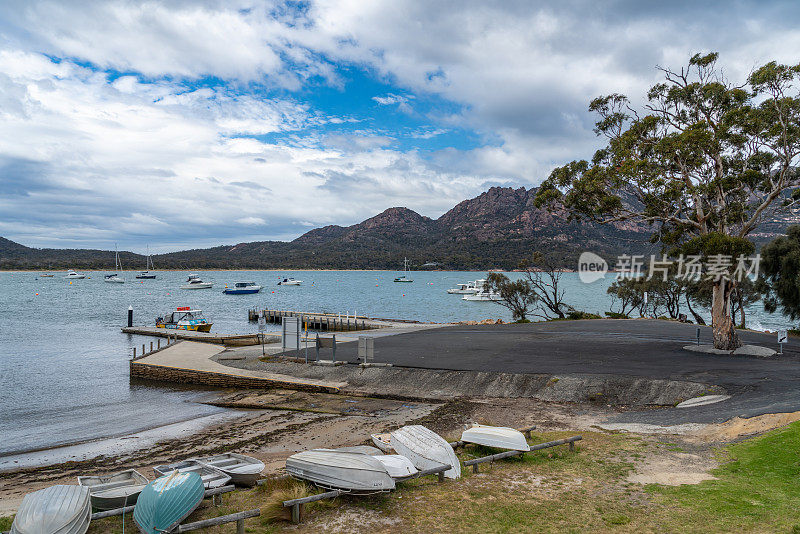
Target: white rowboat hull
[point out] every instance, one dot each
(426, 449)
(352, 471)
(499, 437)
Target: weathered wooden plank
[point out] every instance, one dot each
(425, 472)
(214, 521)
(318, 497)
(507, 454)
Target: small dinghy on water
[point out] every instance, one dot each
(243, 470)
(211, 477)
(114, 491)
(397, 466)
(499, 437)
(167, 501)
(54, 510)
(350, 471)
(382, 441)
(426, 449)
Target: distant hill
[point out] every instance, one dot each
(496, 229)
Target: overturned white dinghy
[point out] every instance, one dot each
(397, 466)
(350, 471)
(54, 510)
(499, 437)
(243, 470)
(426, 449)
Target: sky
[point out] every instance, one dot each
(187, 124)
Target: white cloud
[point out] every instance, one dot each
(392, 98)
(251, 221)
(149, 150)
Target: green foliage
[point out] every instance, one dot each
(518, 296)
(615, 315)
(703, 156)
(715, 243)
(780, 268)
(577, 315)
(5, 523)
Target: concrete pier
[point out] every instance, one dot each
(206, 337)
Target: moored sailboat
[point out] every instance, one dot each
(146, 274)
(115, 278)
(404, 277)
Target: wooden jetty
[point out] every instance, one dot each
(229, 340)
(330, 322)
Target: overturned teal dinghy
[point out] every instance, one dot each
(167, 501)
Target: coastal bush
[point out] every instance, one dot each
(616, 315)
(577, 315)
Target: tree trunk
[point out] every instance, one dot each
(722, 325)
(698, 319)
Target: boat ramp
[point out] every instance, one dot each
(190, 362)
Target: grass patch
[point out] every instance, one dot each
(757, 489)
(5, 523)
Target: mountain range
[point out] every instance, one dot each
(496, 229)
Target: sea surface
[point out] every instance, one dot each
(64, 362)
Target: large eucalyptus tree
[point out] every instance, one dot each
(701, 161)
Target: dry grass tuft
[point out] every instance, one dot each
(284, 490)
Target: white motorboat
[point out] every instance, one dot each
(463, 289)
(109, 492)
(72, 275)
(57, 509)
(499, 437)
(290, 282)
(426, 449)
(194, 282)
(243, 470)
(397, 466)
(352, 471)
(382, 441)
(211, 476)
(484, 295)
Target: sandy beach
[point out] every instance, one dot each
(310, 420)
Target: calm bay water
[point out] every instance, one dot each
(64, 363)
